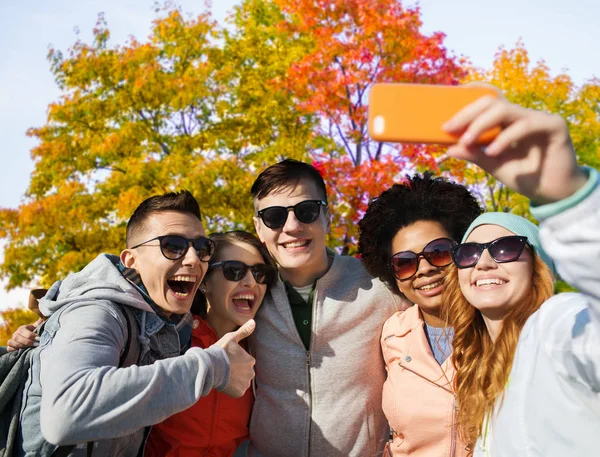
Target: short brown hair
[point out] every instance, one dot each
(288, 172)
(181, 202)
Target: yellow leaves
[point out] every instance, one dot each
(533, 85)
(11, 319)
(206, 109)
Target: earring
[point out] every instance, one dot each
(203, 289)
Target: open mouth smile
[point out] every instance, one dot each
(182, 285)
(243, 302)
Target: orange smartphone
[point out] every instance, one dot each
(415, 113)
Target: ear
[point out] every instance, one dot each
(128, 258)
(259, 228)
(328, 218)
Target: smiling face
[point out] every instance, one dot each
(495, 288)
(298, 248)
(231, 303)
(171, 284)
(426, 286)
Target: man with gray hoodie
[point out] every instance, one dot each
(108, 364)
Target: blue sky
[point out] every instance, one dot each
(564, 33)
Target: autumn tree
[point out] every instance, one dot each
(532, 85)
(136, 120)
(346, 47)
(205, 108)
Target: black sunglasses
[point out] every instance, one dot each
(234, 270)
(306, 212)
(502, 250)
(405, 264)
(174, 247)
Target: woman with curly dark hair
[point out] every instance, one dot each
(406, 238)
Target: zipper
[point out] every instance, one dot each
(425, 378)
(454, 408)
(390, 442)
(308, 362)
(309, 399)
(214, 424)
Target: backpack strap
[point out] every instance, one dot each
(127, 349)
(131, 352)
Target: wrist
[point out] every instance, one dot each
(544, 211)
(564, 190)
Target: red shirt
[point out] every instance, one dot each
(214, 427)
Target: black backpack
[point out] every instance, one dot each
(14, 370)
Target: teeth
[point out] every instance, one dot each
(296, 244)
(243, 297)
(181, 294)
(431, 286)
(184, 278)
(485, 282)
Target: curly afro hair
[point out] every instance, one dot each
(419, 198)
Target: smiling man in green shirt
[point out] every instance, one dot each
(318, 367)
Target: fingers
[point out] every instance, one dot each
(24, 337)
(244, 331)
(509, 138)
(465, 116)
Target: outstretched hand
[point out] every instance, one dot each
(241, 371)
(533, 153)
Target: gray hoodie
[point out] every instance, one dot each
(325, 402)
(86, 396)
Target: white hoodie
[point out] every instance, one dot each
(551, 407)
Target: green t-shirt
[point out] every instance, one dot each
(301, 311)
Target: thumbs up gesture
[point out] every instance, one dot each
(241, 363)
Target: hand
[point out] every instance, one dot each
(241, 371)
(24, 337)
(532, 154)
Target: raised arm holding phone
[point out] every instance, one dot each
(550, 406)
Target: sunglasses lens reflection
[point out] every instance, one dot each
(404, 264)
(173, 247)
(439, 252)
(506, 249)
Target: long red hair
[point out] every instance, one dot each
(483, 366)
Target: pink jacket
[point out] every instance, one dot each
(418, 400)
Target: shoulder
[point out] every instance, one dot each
(401, 322)
(348, 276)
(95, 317)
(558, 320)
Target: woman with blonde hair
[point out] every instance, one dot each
(528, 363)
